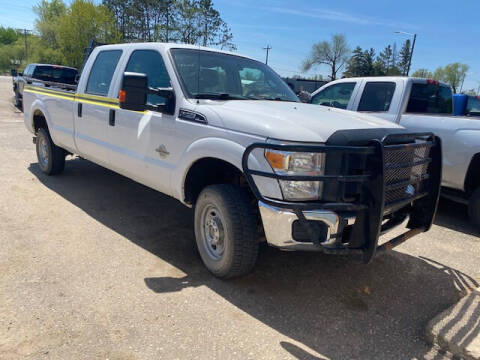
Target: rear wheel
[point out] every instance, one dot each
(474, 208)
(51, 158)
(225, 230)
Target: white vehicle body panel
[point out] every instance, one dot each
(460, 135)
(130, 147)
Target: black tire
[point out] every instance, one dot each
(18, 102)
(474, 208)
(51, 158)
(231, 211)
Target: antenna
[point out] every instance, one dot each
(268, 48)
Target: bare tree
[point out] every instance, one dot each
(333, 53)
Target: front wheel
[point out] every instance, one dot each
(18, 102)
(51, 158)
(225, 230)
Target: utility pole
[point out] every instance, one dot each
(268, 48)
(411, 53)
(25, 33)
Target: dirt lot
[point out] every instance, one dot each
(96, 266)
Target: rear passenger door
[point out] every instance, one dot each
(381, 98)
(95, 103)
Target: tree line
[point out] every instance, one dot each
(337, 56)
(63, 30)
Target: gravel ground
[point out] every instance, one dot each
(96, 266)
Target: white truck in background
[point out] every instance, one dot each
(419, 105)
(224, 134)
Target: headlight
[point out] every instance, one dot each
(298, 163)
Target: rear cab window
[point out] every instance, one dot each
(102, 71)
(337, 95)
(377, 96)
(55, 74)
(430, 98)
(473, 106)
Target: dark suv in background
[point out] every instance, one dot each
(44, 75)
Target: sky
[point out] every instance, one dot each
(447, 31)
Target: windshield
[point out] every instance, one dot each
(212, 75)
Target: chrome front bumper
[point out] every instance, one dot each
(277, 224)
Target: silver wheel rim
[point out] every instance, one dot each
(213, 233)
(43, 151)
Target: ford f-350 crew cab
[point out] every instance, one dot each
(224, 134)
(419, 105)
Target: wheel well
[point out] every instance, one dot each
(209, 171)
(39, 121)
(472, 179)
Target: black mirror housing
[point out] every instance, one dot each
(13, 72)
(133, 93)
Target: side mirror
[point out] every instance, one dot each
(13, 72)
(133, 93)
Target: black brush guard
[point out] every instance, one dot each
(400, 176)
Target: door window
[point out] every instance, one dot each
(430, 99)
(337, 95)
(150, 63)
(102, 72)
(377, 96)
(473, 106)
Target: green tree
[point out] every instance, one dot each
(8, 35)
(361, 63)
(404, 57)
(49, 14)
(423, 73)
(333, 53)
(355, 64)
(453, 74)
(83, 21)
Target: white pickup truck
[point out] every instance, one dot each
(224, 134)
(419, 105)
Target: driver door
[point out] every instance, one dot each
(142, 141)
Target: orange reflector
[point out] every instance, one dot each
(276, 160)
(121, 96)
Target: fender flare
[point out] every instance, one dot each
(38, 106)
(210, 147)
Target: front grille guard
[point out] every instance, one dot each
(372, 206)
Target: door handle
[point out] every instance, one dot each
(79, 110)
(111, 117)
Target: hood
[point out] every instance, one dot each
(289, 120)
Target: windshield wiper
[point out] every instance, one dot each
(276, 99)
(222, 96)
